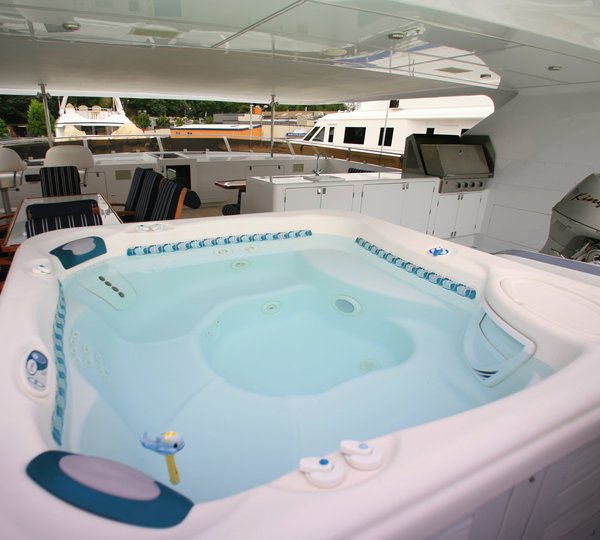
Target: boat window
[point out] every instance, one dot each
(331, 130)
(355, 135)
(320, 136)
(387, 140)
(311, 133)
(430, 131)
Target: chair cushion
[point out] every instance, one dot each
(42, 225)
(135, 188)
(63, 215)
(60, 181)
(48, 210)
(192, 200)
(166, 201)
(147, 197)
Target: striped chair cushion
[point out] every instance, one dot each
(60, 181)
(147, 196)
(50, 210)
(52, 216)
(135, 189)
(166, 201)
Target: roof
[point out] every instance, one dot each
(300, 51)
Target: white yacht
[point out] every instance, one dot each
(385, 125)
(82, 120)
(337, 361)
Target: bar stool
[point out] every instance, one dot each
(10, 162)
(70, 154)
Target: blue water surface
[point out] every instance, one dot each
(258, 355)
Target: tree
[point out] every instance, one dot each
(3, 128)
(162, 122)
(14, 108)
(142, 120)
(36, 124)
(179, 122)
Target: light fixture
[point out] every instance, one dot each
(407, 33)
(335, 52)
(155, 31)
(71, 26)
(554, 67)
(454, 70)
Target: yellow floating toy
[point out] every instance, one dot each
(167, 444)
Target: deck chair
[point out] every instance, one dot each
(169, 202)
(52, 216)
(11, 175)
(135, 189)
(60, 181)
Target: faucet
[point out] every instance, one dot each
(317, 171)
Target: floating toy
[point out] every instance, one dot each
(167, 444)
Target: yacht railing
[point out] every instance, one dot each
(30, 149)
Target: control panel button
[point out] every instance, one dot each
(323, 472)
(31, 366)
(437, 251)
(361, 455)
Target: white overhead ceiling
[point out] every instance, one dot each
(303, 51)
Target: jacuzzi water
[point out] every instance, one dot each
(258, 355)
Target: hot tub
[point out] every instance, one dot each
(251, 376)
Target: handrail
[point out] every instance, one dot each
(155, 142)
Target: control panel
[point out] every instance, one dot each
(455, 185)
(35, 372)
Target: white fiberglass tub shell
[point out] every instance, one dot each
(432, 474)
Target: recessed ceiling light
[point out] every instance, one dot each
(154, 31)
(335, 52)
(407, 33)
(71, 26)
(454, 70)
(555, 67)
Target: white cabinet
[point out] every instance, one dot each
(416, 208)
(403, 203)
(383, 201)
(459, 214)
(324, 197)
